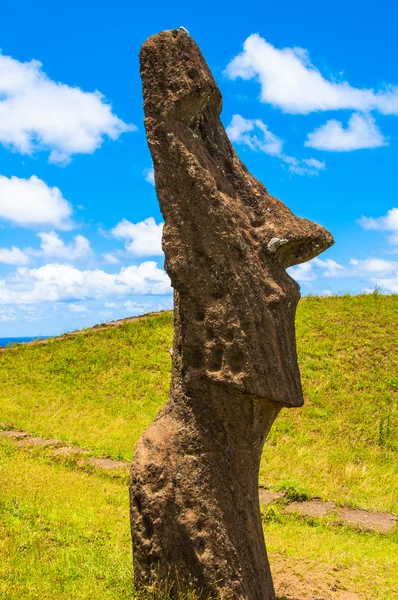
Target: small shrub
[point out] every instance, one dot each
(271, 514)
(293, 491)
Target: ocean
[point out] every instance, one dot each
(18, 340)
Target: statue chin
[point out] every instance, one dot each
(249, 346)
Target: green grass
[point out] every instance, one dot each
(98, 389)
(343, 444)
(64, 533)
(329, 558)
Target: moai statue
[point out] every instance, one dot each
(195, 513)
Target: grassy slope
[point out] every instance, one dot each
(65, 533)
(98, 389)
(343, 444)
(101, 389)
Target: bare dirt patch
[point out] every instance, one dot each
(107, 463)
(376, 522)
(69, 451)
(16, 435)
(36, 441)
(311, 508)
(267, 497)
(304, 582)
(380, 522)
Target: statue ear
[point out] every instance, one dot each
(302, 242)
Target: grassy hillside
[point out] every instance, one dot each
(64, 531)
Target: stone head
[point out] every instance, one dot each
(227, 241)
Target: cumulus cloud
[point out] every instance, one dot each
(330, 268)
(150, 175)
(141, 239)
(314, 162)
(374, 271)
(380, 272)
(315, 268)
(111, 258)
(243, 131)
(256, 135)
(53, 247)
(8, 315)
(361, 132)
(387, 223)
(166, 303)
(31, 202)
(310, 166)
(59, 282)
(292, 83)
(77, 308)
(37, 113)
(303, 273)
(13, 256)
(378, 266)
(390, 284)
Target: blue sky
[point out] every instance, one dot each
(310, 102)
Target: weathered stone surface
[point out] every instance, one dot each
(194, 497)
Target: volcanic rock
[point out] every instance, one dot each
(195, 514)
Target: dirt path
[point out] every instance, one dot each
(23, 439)
(373, 521)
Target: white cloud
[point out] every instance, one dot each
(376, 271)
(7, 315)
(77, 308)
(31, 202)
(136, 309)
(150, 175)
(330, 267)
(314, 162)
(303, 272)
(361, 132)
(242, 131)
(13, 256)
(291, 82)
(57, 283)
(315, 268)
(111, 258)
(256, 135)
(387, 223)
(309, 166)
(390, 283)
(380, 272)
(53, 247)
(37, 113)
(374, 266)
(142, 239)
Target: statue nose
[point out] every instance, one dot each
(302, 240)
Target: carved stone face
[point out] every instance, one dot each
(227, 241)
